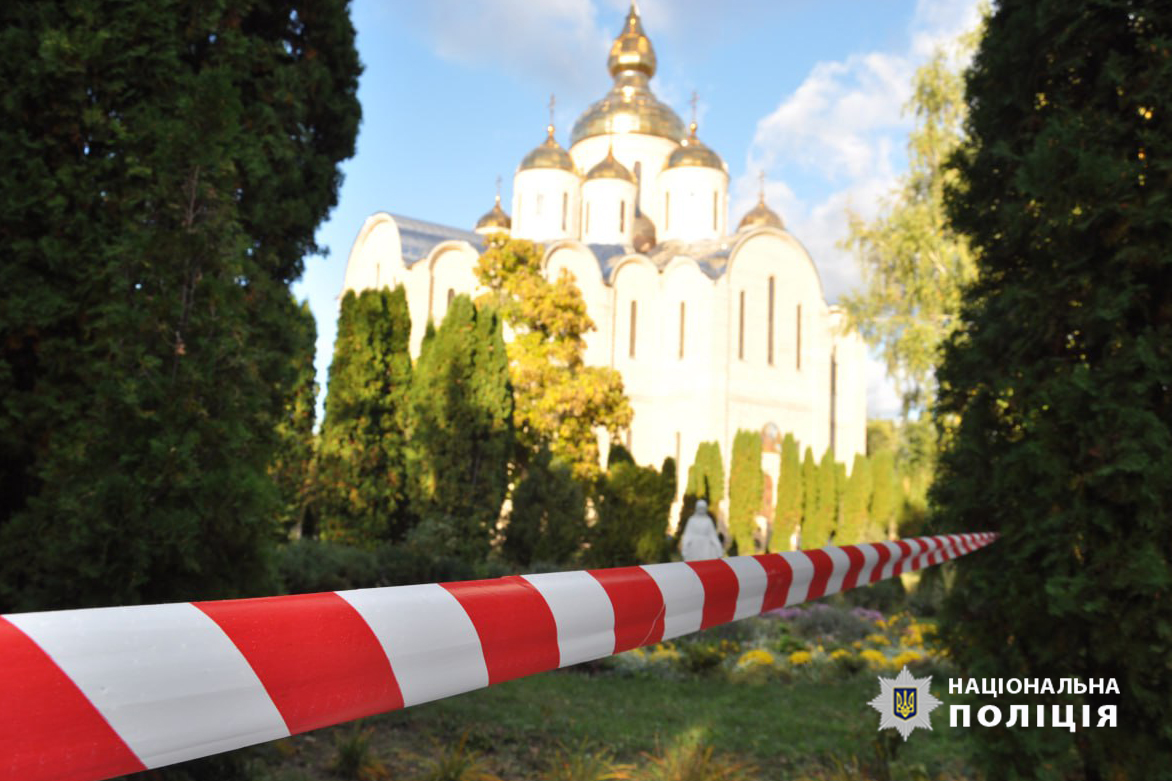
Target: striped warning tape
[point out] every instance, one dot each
(90, 694)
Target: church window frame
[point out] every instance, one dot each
(798, 340)
(565, 210)
(741, 329)
(715, 208)
(634, 323)
(666, 210)
(683, 320)
(622, 216)
(769, 327)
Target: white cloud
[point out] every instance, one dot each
(842, 133)
(549, 40)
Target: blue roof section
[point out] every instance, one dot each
(607, 254)
(420, 238)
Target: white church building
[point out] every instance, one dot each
(713, 328)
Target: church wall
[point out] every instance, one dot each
(375, 259)
(608, 215)
(453, 271)
(687, 195)
(650, 152)
(419, 297)
(546, 204)
(583, 266)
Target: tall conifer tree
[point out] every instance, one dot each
(462, 429)
(362, 465)
(163, 169)
(788, 513)
(855, 501)
(746, 482)
(809, 498)
(1060, 377)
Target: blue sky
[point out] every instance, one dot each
(455, 93)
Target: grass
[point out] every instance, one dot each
(796, 730)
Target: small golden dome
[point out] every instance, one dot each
(629, 107)
(761, 215)
(632, 50)
(548, 155)
(694, 153)
(610, 168)
(494, 219)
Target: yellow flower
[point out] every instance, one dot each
(874, 658)
(840, 654)
(665, 654)
(800, 657)
(755, 657)
(638, 653)
(857, 644)
(907, 657)
(878, 639)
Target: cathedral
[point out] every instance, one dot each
(713, 328)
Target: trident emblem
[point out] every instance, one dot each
(905, 703)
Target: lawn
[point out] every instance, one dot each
(797, 729)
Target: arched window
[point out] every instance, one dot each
(833, 395)
(741, 329)
(769, 326)
(622, 216)
(586, 225)
(798, 339)
(666, 209)
(451, 295)
(682, 321)
(634, 320)
(565, 209)
(715, 208)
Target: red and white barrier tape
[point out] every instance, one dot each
(90, 694)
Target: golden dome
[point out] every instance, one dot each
(693, 152)
(632, 50)
(494, 219)
(610, 168)
(761, 215)
(548, 155)
(629, 107)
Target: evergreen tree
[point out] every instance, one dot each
(809, 499)
(163, 169)
(560, 401)
(292, 468)
(1059, 376)
(362, 466)
(884, 496)
(705, 480)
(855, 501)
(825, 505)
(461, 422)
(548, 519)
(788, 513)
(633, 504)
(746, 482)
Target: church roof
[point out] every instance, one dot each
(420, 237)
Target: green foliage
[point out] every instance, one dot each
(462, 438)
(788, 512)
(163, 169)
(746, 482)
(884, 495)
(881, 435)
(353, 758)
(560, 401)
(457, 762)
(632, 503)
(548, 520)
(292, 467)
(809, 498)
(1059, 376)
(582, 763)
(362, 465)
(914, 264)
(705, 480)
(824, 520)
(855, 502)
(694, 761)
